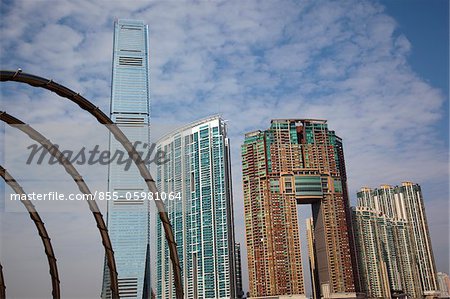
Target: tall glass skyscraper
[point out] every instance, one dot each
(198, 170)
(128, 221)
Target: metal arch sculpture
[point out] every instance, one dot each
(56, 293)
(2, 284)
(71, 170)
(83, 103)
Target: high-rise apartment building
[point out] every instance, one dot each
(128, 221)
(296, 161)
(411, 195)
(382, 267)
(393, 242)
(198, 172)
(371, 234)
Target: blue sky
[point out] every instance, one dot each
(378, 71)
(426, 26)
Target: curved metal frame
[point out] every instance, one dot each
(2, 284)
(84, 104)
(71, 170)
(56, 292)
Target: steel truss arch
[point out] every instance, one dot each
(34, 215)
(2, 284)
(71, 170)
(83, 103)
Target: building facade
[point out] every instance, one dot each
(380, 243)
(295, 162)
(393, 241)
(443, 284)
(411, 195)
(128, 221)
(198, 170)
(312, 258)
(239, 290)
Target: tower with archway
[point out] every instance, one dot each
(297, 162)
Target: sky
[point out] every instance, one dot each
(377, 71)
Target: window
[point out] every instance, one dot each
(130, 61)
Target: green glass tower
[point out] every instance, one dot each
(198, 169)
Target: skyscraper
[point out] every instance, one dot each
(380, 243)
(296, 161)
(198, 171)
(393, 243)
(384, 244)
(128, 221)
(411, 196)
